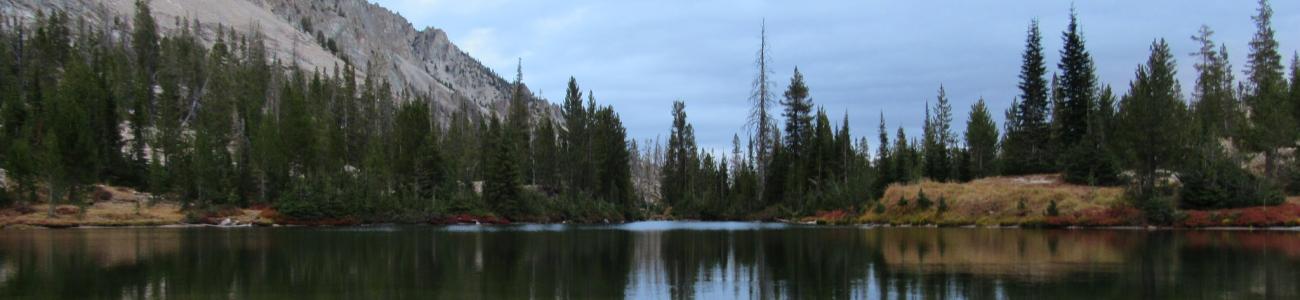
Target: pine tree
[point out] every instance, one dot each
(1079, 133)
(519, 126)
(69, 152)
(798, 139)
(1078, 84)
(574, 139)
(982, 139)
(676, 186)
(501, 188)
(798, 115)
(546, 154)
(613, 160)
(938, 139)
(884, 159)
(1215, 104)
(1272, 126)
(144, 42)
(1153, 116)
(1027, 148)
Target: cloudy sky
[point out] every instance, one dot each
(860, 57)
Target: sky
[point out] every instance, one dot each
(863, 58)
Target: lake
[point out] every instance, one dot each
(647, 260)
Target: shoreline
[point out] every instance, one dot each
(4, 225)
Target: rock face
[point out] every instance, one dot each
(378, 41)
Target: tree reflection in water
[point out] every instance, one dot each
(659, 260)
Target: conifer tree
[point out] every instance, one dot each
(1272, 126)
(937, 140)
(885, 159)
(676, 187)
(1028, 136)
(1214, 101)
(798, 115)
(1153, 116)
(519, 126)
(982, 140)
(798, 139)
(1078, 84)
(574, 138)
(501, 185)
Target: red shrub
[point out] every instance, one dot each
(1196, 218)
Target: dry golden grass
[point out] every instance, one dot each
(108, 213)
(993, 201)
(117, 207)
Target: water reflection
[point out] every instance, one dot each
(646, 260)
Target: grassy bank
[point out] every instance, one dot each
(115, 206)
(1028, 201)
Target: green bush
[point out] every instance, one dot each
(1158, 209)
(1221, 183)
(923, 202)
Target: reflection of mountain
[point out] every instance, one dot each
(1030, 253)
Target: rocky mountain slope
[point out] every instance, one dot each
(300, 32)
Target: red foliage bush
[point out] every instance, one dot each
(1197, 218)
(1259, 216)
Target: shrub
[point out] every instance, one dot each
(1221, 183)
(1021, 208)
(902, 202)
(1051, 209)
(943, 204)
(1158, 209)
(880, 208)
(922, 201)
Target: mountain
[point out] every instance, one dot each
(300, 32)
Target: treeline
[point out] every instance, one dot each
(229, 125)
(1170, 152)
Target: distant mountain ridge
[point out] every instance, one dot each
(296, 31)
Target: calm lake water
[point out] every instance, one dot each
(647, 260)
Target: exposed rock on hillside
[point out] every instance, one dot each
(320, 34)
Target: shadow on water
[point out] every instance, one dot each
(652, 260)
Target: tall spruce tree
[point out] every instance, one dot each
(981, 141)
(676, 186)
(1153, 115)
(798, 139)
(884, 159)
(1078, 86)
(798, 115)
(937, 140)
(1085, 157)
(1027, 148)
(574, 139)
(1272, 126)
(501, 187)
(519, 125)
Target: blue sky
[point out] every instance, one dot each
(859, 57)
